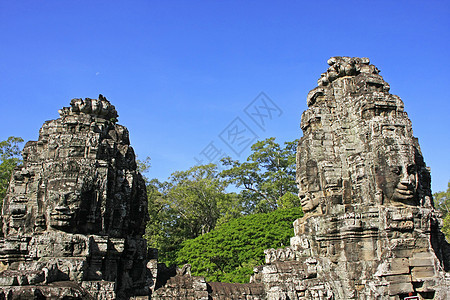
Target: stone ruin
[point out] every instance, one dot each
(75, 212)
(370, 230)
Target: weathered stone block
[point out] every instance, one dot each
(365, 191)
(421, 273)
(400, 288)
(421, 262)
(6, 280)
(393, 279)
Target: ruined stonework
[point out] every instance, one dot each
(75, 211)
(370, 230)
(184, 286)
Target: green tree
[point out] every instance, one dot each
(446, 227)
(9, 158)
(442, 202)
(190, 204)
(163, 228)
(267, 178)
(231, 251)
(143, 166)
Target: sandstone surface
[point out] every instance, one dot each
(76, 210)
(370, 230)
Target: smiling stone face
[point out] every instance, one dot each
(370, 230)
(357, 146)
(310, 190)
(71, 197)
(396, 174)
(79, 177)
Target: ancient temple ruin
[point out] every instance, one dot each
(370, 230)
(75, 212)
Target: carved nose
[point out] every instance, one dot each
(406, 179)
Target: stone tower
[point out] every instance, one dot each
(370, 230)
(76, 210)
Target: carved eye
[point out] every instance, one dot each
(396, 170)
(412, 169)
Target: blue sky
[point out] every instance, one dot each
(181, 73)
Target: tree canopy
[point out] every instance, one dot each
(442, 202)
(193, 202)
(190, 204)
(267, 178)
(231, 251)
(9, 158)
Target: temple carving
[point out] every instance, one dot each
(75, 211)
(370, 230)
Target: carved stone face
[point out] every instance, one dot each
(407, 186)
(63, 213)
(396, 174)
(63, 203)
(70, 203)
(309, 186)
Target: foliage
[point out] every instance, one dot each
(191, 203)
(9, 159)
(143, 165)
(442, 202)
(267, 177)
(162, 230)
(446, 227)
(231, 251)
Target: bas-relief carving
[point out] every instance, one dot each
(390, 155)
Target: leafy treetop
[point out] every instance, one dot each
(267, 177)
(231, 251)
(9, 159)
